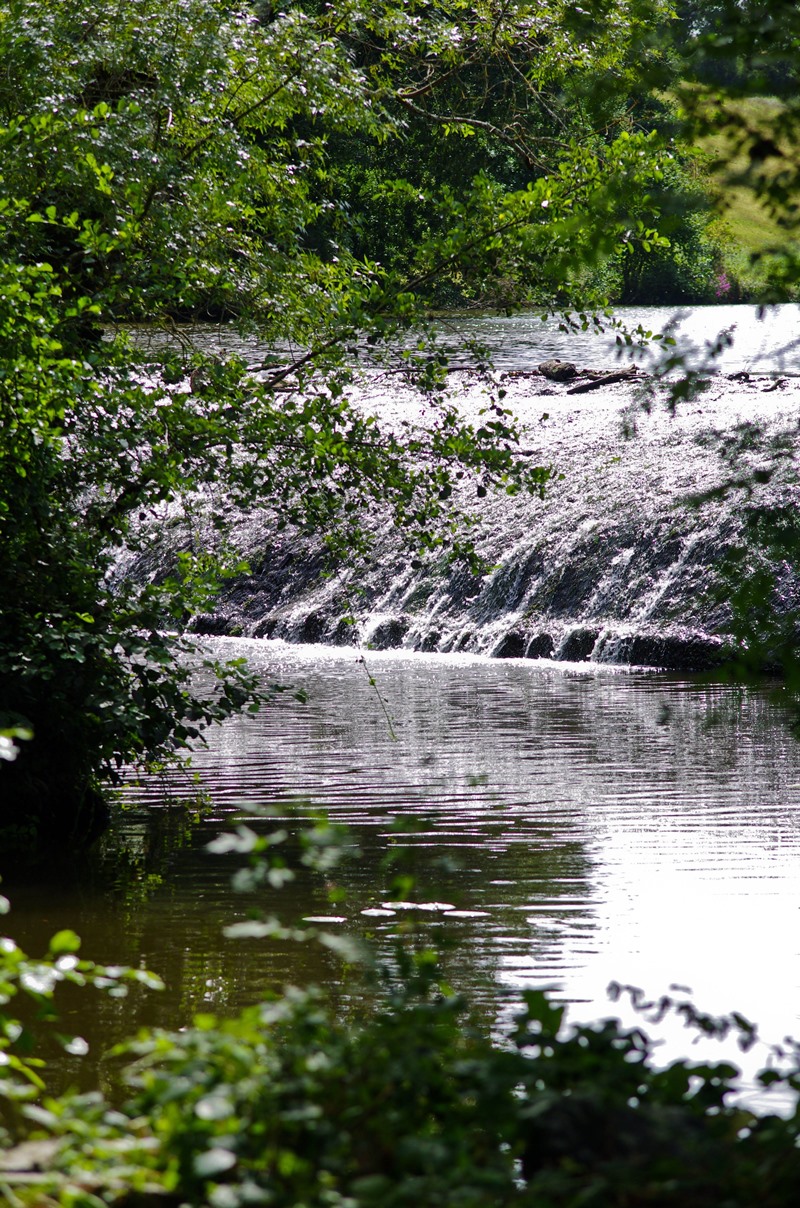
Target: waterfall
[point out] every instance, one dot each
(615, 564)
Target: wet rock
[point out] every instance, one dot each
(510, 583)
(214, 624)
(569, 583)
(344, 633)
(265, 628)
(684, 651)
(511, 646)
(616, 548)
(312, 628)
(690, 652)
(558, 371)
(577, 644)
(389, 634)
(540, 647)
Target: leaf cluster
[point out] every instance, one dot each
(34, 982)
(409, 1101)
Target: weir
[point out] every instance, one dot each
(585, 822)
(619, 563)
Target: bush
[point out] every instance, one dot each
(402, 1100)
(412, 1105)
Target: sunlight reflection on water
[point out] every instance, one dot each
(762, 343)
(588, 838)
(585, 823)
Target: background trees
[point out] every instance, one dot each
(320, 176)
(513, 97)
(737, 97)
(217, 159)
(316, 175)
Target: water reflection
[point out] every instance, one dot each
(761, 343)
(585, 823)
(766, 342)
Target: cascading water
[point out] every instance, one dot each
(615, 564)
(587, 822)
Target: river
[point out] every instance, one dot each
(767, 342)
(567, 824)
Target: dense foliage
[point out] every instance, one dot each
(401, 1099)
(732, 51)
(196, 158)
(284, 1105)
(190, 159)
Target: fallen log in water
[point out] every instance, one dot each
(605, 379)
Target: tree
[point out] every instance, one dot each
(739, 51)
(513, 102)
(174, 160)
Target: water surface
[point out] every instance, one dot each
(761, 342)
(583, 823)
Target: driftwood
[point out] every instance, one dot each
(605, 379)
(558, 371)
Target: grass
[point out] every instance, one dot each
(750, 232)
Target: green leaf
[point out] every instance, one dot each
(63, 942)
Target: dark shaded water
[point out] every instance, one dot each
(574, 824)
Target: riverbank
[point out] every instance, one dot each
(625, 560)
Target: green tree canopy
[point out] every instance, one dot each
(193, 158)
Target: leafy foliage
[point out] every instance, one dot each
(191, 159)
(408, 1100)
(35, 982)
(80, 668)
(735, 51)
(285, 1105)
(529, 94)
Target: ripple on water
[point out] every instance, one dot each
(557, 829)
